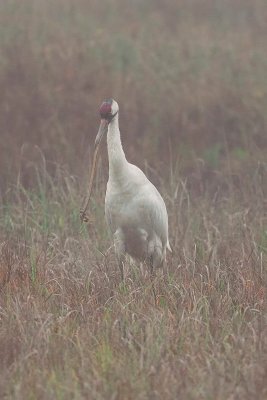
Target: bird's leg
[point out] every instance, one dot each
(121, 270)
(155, 260)
(152, 271)
(152, 277)
(120, 250)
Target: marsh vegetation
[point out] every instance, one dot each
(191, 81)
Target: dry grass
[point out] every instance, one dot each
(69, 329)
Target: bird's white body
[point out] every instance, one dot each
(135, 211)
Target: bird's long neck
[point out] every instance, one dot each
(116, 156)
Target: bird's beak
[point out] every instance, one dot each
(103, 128)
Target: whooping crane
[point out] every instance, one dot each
(135, 211)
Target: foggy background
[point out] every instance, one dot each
(190, 78)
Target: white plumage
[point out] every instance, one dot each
(135, 211)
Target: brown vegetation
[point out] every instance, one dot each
(190, 78)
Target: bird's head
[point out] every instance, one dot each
(108, 110)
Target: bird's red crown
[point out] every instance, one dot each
(105, 108)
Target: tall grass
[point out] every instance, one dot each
(70, 330)
(190, 80)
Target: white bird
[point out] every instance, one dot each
(134, 209)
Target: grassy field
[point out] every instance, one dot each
(191, 81)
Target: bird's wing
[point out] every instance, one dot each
(138, 205)
(155, 214)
